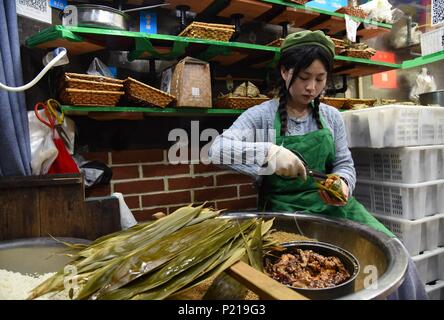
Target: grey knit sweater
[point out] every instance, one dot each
(244, 146)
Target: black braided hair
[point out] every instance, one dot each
(300, 58)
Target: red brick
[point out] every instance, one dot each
(132, 202)
(147, 214)
(136, 156)
(155, 170)
(238, 204)
(98, 191)
(247, 190)
(127, 172)
(166, 198)
(215, 193)
(204, 168)
(140, 186)
(189, 183)
(232, 178)
(96, 156)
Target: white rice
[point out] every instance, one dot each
(17, 286)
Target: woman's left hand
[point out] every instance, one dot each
(332, 201)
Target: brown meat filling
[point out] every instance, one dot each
(307, 269)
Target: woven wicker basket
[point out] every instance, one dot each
(356, 53)
(334, 102)
(79, 97)
(337, 42)
(209, 31)
(351, 102)
(238, 102)
(275, 43)
(97, 83)
(146, 95)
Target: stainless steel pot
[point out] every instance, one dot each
(383, 260)
(432, 98)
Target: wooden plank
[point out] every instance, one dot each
(261, 284)
(230, 59)
(250, 9)
(61, 210)
(74, 48)
(196, 6)
(39, 181)
(333, 25)
(19, 216)
(372, 31)
(103, 216)
(295, 17)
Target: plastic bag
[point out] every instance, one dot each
(424, 83)
(98, 68)
(43, 149)
(94, 172)
(379, 10)
(127, 219)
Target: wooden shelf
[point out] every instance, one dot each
(250, 9)
(169, 47)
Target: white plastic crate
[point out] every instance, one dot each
(419, 235)
(394, 126)
(406, 201)
(403, 165)
(435, 290)
(432, 41)
(430, 265)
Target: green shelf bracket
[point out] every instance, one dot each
(420, 61)
(213, 51)
(274, 61)
(143, 45)
(50, 34)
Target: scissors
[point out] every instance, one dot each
(53, 120)
(316, 175)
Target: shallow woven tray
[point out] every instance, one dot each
(146, 95)
(337, 42)
(275, 43)
(238, 102)
(77, 83)
(355, 53)
(351, 102)
(209, 31)
(79, 97)
(334, 102)
(91, 77)
(353, 11)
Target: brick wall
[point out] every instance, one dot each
(150, 184)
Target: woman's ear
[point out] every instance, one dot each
(287, 74)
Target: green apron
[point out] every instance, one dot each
(285, 194)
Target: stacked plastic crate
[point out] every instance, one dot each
(399, 159)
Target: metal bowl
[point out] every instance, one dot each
(96, 16)
(432, 98)
(35, 255)
(350, 263)
(383, 260)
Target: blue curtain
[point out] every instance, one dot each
(15, 151)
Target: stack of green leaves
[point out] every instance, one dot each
(157, 259)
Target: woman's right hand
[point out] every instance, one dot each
(286, 163)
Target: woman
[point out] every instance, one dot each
(307, 134)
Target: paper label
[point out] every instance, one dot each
(36, 10)
(351, 27)
(195, 92)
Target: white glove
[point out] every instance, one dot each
(285, 162)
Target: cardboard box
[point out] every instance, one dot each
(189, 82)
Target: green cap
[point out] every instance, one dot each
(307, 37)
